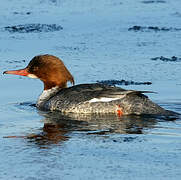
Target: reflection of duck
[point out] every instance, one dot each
(51, 134)
(83, 98)
(63, 124)
(58, 127)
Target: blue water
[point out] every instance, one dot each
(95, 45)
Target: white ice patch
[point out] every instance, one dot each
(32, 76)
(103, 99)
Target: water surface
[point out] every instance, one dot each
(96, 45)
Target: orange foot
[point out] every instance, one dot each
(119, 111)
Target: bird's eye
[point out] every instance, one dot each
(35, 68)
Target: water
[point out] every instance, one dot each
(95, 44)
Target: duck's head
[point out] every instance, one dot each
(49, 69)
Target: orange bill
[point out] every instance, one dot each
(20, 72)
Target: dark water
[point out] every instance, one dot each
(98, 41)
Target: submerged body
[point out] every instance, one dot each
(84, 98)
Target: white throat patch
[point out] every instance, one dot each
(32, 76)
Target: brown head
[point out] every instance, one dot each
(49, 69)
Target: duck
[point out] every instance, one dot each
(84, 98)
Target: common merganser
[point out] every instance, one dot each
(84, 98)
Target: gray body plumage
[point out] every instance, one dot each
(86, 98)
